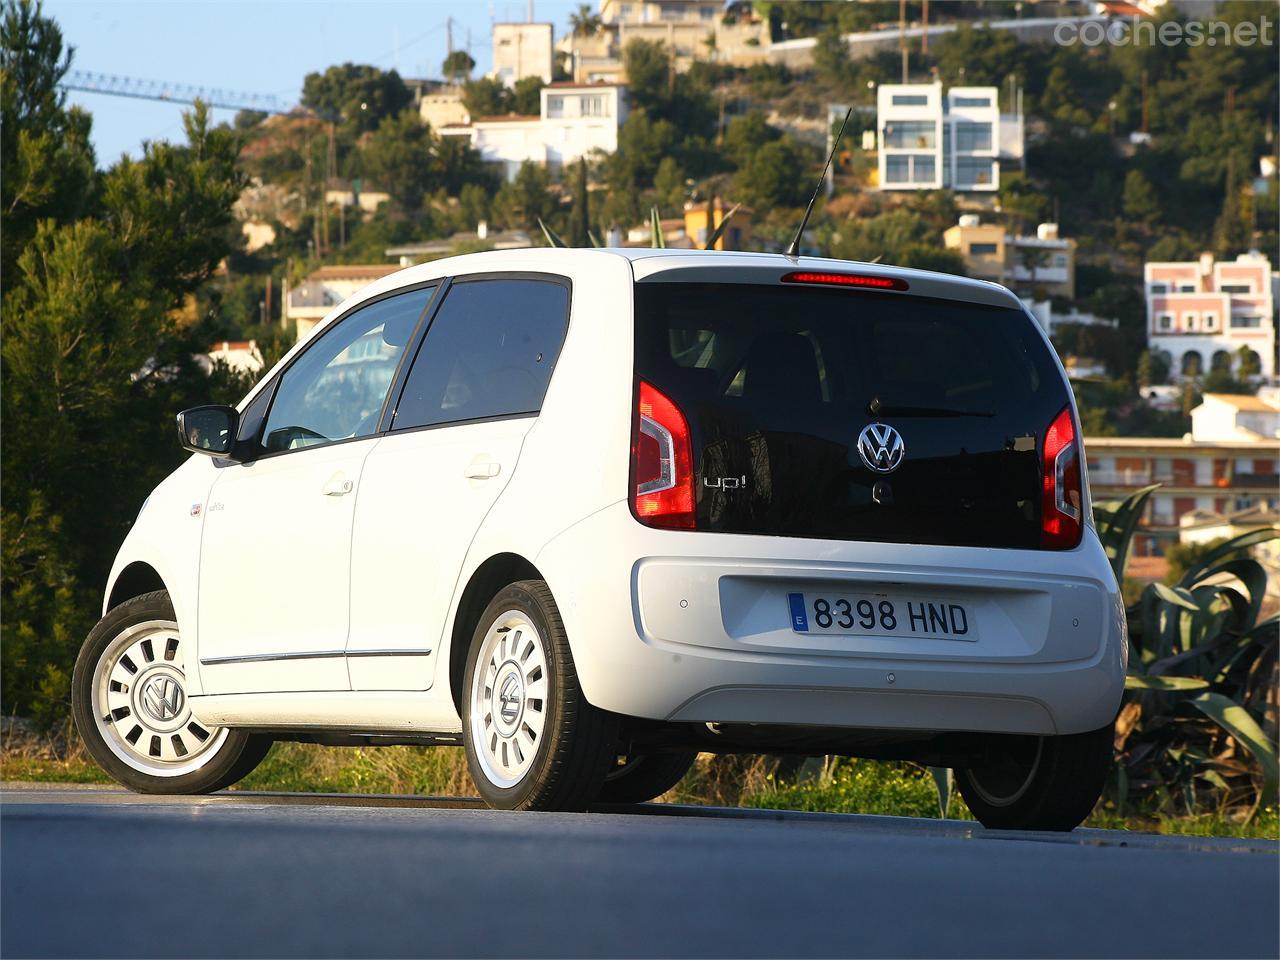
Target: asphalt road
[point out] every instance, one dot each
(97, 872)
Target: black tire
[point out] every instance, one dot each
(578, 741)
(227, 762)
(1039, 783)
(645, 776)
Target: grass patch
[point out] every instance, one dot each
(44, 770)
(308, 768)
(859, 786)
(828, 786)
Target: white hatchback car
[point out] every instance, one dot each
(589, 512)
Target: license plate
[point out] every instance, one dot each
(881, 615)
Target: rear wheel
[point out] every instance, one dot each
(1039, 783)
(533, 741)
(644, 776)
(129, 700)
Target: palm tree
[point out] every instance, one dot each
(584, 22)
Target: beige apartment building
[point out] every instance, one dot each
(1045, 263)
(1228, 464)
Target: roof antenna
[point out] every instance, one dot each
(794, 249)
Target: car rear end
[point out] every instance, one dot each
(856, 499)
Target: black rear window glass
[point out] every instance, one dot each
(777, 382)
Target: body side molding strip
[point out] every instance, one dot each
(311, 655)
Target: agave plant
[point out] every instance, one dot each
(1199, 720)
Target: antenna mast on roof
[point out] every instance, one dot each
(794, 249)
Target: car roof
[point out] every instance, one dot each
(680, 265)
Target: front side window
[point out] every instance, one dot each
(489, 352)
(336, 389)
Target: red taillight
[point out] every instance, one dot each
(845, 280)
(661, 462)
(1062, 505)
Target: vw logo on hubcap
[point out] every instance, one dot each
(881, 448)
(162, 698)
(509, 697)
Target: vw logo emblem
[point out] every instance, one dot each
(162, 698)
(509, 699)
(881, 448)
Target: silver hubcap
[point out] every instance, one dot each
(140, 703)
(508, 708)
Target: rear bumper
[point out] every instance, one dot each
(693, 627)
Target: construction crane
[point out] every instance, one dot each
(169, 92)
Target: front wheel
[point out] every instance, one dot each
(533, 741)
(129, 700)
(1038, 783)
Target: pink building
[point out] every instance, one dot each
(1201, 313)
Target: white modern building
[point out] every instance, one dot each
(575, 119)
(522, 50)
(1201, 313)
(933, 140)
(930, 139)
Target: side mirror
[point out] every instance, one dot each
(210, 430)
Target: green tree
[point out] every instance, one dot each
(45, 154)
(94, 361)
(580, 215)
(831, 57)
(458, 65)
(1250, 363)
(746, 134)
(361, 96)
(642, 144)
(669, 184)
(527, 198)
(399, 157)
(486, 97)
(584, 22)
(649, 74)
(774, 176)
(526, 96)
(1140, 200)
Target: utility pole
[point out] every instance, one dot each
(448, 30)
(924, 37)
(266, 319)
(902, 36)
(1144, 101)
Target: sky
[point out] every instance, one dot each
(263, 47)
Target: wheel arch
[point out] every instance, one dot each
(133, 580)
(486, 580)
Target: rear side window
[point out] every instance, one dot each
(489, 352)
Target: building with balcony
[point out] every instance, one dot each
(931, 140)
(574, 120)
(1202, 313)
(1041, 266)
(1222, 467)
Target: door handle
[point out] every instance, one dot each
(337, 486)
(482, 469)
